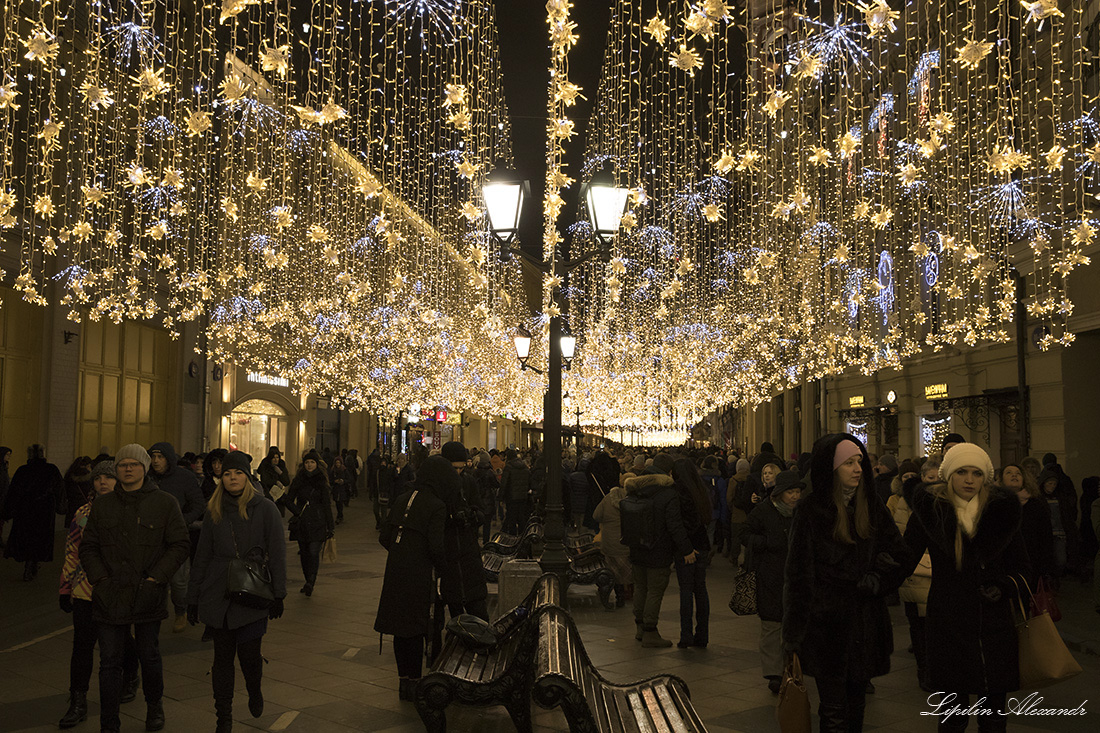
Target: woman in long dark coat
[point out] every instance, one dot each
(238, 519)
(35, 493)
(766, 536)
(413, 535)
(310, 501)
(845, 557)
(971, 530)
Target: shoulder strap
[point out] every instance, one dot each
(404, 516)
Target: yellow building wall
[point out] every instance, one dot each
(20, 375)
(125, 376)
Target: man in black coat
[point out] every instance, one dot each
(887, 470)
(35, 496)
(133, 544)
(463, 584)
(184, 486)
(652, 563)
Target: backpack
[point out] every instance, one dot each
(639, 521)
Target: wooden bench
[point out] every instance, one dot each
(492, 562)
(516, 545)
(500, 675)
(591, 569)
(566, 678)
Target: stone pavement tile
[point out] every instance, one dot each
(760, 718)
(361, 716)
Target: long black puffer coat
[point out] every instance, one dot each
(310, 499)
(972, 645)
(34, 496)
(766, 538)
(463, 579)
(838, 629)
(415, 544)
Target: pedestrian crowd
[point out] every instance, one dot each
(829, 539)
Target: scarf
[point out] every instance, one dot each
(967, 513)
(783, 508)
(849, 494)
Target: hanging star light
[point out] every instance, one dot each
(198, 123)
(150, 83)
(95, 96)
(41, 46)
(657, 29)
(1054, 157)
(819, 156)
(878, 16)
(8, 93)
(686, 59)
(972, 54)
(809, 66)
(776, 99)
(847, 144)
(275, 59)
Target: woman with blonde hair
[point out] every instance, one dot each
(239, 522)
(845, 557)
(971, 530)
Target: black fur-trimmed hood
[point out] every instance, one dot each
(821, 471)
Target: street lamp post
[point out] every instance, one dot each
(606, 203)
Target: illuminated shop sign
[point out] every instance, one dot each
(855, 401)
(264, 379)
(935, 391)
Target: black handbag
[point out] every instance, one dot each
(248, 581)
(294, 524)
(474, 632)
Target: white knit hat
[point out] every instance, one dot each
(966, 454)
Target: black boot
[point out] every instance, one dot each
(129, 689)
(253, 674)
(223, 706)
(154, 716)
(77, 712)
(834, 718)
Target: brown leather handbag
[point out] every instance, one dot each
(793, 708)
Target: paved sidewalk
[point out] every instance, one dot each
(326, 674)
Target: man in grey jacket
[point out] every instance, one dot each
(184, 486)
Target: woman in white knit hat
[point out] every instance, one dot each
(971, 530)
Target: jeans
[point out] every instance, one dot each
(85, 635)
(227, 645)
(178, 587)
(992, 722)
(842, 704)
(310, 554)
(112, 652)
(649, 591)
(692, 579)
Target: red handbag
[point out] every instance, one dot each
(1043, 601)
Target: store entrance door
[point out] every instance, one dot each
(255, 426)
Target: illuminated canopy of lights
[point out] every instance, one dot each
(810, 190)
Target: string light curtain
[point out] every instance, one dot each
(817, 187)
(303, 179)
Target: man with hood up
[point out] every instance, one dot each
(184, 486)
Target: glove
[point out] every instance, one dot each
(276, 609)
(884, 563)
(990, 593)
(192, 615)
(65, 601)
(869, 585)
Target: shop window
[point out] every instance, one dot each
(256, 425)
(933, 429)
(858, 428)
